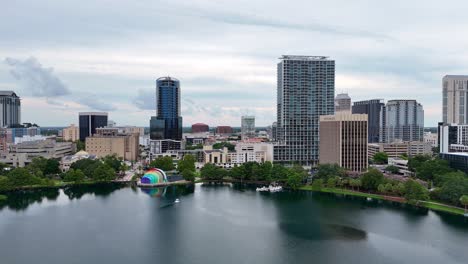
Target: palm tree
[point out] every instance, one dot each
(464, 201)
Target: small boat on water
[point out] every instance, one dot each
(270, 188)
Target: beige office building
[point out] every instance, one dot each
(343, 140)
(397, 149)
(107, 141)
(71, 133)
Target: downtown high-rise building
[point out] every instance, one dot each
(372, 109)
(455, 99)
(247, 127)
(342, 103)
(10, 109)
(401, 120)
(306, 90)
(167, 124)
(89, 122)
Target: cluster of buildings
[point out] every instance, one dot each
(453, 130)
(313, 126)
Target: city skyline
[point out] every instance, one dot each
(223, 77)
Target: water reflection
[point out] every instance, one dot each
(21, 200)
(169, 195)
(101, 189)
(317, 231)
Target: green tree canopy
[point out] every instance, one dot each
(414, 191)
(294, 180)
(429, 169)
(87, 166)
(80, 145)
(212, 172)
(74, 176)
(380, 158)
(223, 144)
(113, 161)
(22, 177)
(104, 172)
(392, 169)
(188, 175)
(187, 163)
(325, 171)
(454, 185)
(52, 167)
(164, 163)
(464, 201)
(371, 179)
(416, 161)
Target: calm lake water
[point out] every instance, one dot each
(221, 224)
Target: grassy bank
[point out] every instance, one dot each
(427, 204)
(2, 197)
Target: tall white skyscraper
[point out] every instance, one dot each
(306, 90)
(455, 99)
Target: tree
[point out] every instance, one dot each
(113, 161)
(212, 172)
(164, 163)
(263, 171)
(3, 166)
(416, 161)
(187, 163)
(104, 172)
(380, 158)
(415, 192)
(325, 171)
(237, 172)
(429, 169)
(22, 177)
(37, 165)
(331, 182)
(454, 185)
(392, 169)
(223, 144)
(188, 175)
(80, 145)
(317, 184)
(76, 176)
(5, 184)
(279, 172)
(371, 179)
(294, 180)
(464, 201)
(52, 167)
(87, 166)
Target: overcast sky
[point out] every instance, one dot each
(63, 57)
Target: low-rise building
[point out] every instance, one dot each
(401, 164)
(22, 154)
(397, 149)
(71, 133)
(251, 152)
(108, 141)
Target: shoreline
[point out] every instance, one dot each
(436, 206)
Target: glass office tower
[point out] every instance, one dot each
(89, 121)
(167, 124)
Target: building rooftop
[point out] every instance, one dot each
(8, 93)
(303, 58)
(456, 76)
(342, 96)
(94, 113)
(167, 78)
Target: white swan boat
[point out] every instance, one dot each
(270, 188)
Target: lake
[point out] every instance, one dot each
(221, 224)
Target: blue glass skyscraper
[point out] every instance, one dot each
(167, 124)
